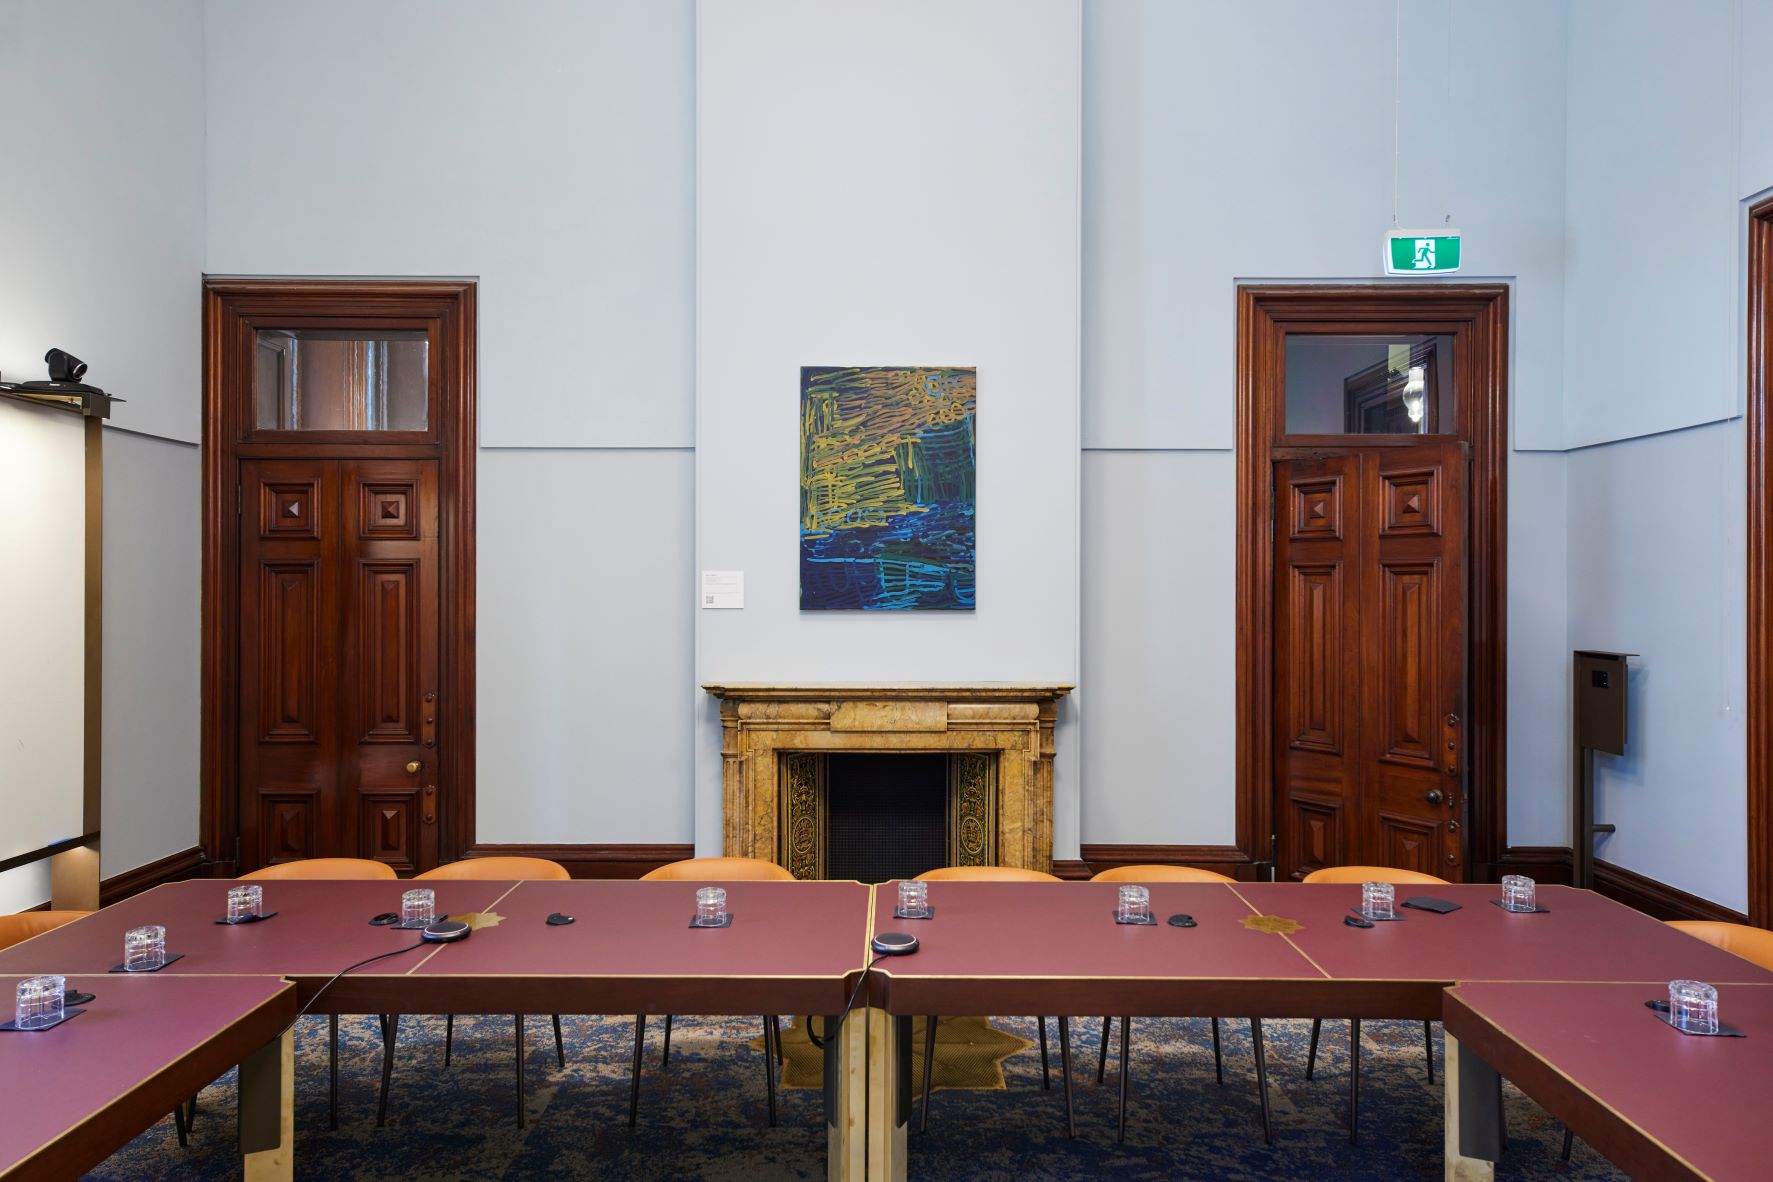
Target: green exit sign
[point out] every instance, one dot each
(1422, 252)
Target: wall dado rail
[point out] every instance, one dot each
(764, 726)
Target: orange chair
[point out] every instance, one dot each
(1739, 939)
(1347, 874)
(712, 870)
(1142, 874)
(478, 870)
(997, 874)
(338, 870)
(16, 929)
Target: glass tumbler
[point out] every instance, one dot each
(710, 907)
(1693, 1006)
(1378, 900)
(418, 907)
(144, 948)
(244, 903)
(914, 900)
(40, 1001)
(1518, 893)
(1134, 905)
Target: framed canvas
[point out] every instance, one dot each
(887, 485)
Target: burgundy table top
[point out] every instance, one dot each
(631, 945)
(1581, 937)
(1660, 1103)
(320, 927)
(74, 1094)
(641, 929)
(1067, 930)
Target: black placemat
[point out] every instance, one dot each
(234, 923)
(12, 1023)
(712, 926)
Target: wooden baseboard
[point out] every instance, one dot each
(1224, 859)
(1657, 898)
(1541, 863)
(593, 861)
(172, 868)
(1072, 869)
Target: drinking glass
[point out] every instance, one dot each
(418, 907)
(710, 907)
(245, 902)
(1518, 893)
(144, 948)
(1135, 904)
(40, 1001)
(914, 900)
(1378, 900)
(1693, 1006)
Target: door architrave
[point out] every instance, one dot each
(1477, 316)
(228, 304)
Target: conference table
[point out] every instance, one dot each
(80, 1091)
(1658, 1103)
(792, 948)
(1257, 950)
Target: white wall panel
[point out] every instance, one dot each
(1226, 140)
(584, 646)
(544, 146)
(888, 184)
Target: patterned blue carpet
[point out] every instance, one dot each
(705, 1117)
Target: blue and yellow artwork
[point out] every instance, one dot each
(887, 488)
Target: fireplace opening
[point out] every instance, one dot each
(886, 815)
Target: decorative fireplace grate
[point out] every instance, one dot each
(875, 816)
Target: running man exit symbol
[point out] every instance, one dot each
(1421, 252)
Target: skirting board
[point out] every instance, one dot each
(593, 861)
(1657, 898)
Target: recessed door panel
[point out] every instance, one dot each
(1369, 645)
(339, 659)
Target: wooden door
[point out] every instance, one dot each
(339, 659)
(1370, 575)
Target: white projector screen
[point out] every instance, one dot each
(42, 626)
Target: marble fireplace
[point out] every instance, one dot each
(993, 784)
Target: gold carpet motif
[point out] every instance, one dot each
(970, 1054)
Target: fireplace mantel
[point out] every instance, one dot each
(762, 722)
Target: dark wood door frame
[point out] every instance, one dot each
(1760, 565)
(228, 308)
(1477, 316)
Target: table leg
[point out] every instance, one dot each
(889, 1093)
(1473, 1109)
(267, 1111)
(846, 1099)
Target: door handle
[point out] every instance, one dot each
(413, 767)
(1434, 796)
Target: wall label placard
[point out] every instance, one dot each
(723, 588)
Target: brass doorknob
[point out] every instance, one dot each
(1434, 796)
(414, 766)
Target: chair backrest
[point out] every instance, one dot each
(985, 874)
(1750, 943)
(717, 869)
(16, 929)
(1160, 874)
(499, 869)
(1373, 874)
(334, 868)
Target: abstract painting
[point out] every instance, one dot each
(887, 488)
